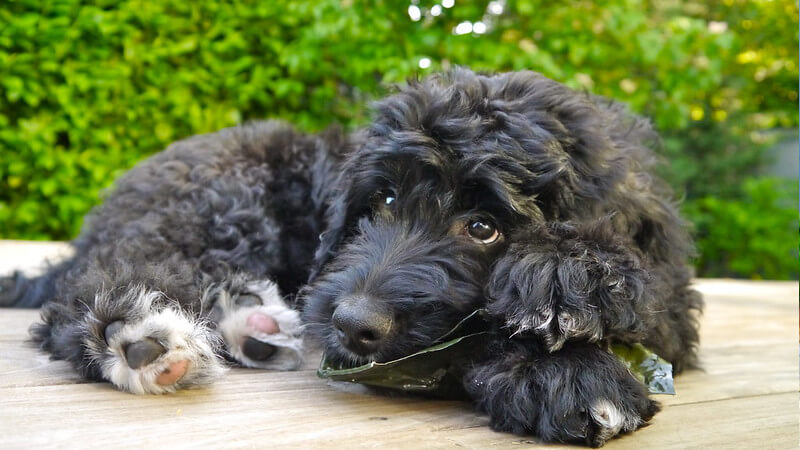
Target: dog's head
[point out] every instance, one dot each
(451, 170)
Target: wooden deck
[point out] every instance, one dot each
(746, 396)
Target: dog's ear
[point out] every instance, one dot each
(335, 191)
(335, 230)
(579, 147)
(561, 281)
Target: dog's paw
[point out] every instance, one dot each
(259, 329)
(161, 352)
(608, 419)
(567, 282)
(578, 394)
(570, 413)
(556, 323)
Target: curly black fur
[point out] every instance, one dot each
(590, 249)
(211, 213)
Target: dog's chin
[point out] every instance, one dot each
(344, 358)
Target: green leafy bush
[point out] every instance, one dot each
(89, 88)
(755, 236)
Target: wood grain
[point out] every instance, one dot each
(746, 396)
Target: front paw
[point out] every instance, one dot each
(608, 419)
(578, 394)
(161, 352)
(542, 296)
(556, 322)
(565, 282)
(259, 329)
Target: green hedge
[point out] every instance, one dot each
(89, 88)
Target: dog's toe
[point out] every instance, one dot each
(607, 420)
(570, 324)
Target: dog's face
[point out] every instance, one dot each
(432, 197)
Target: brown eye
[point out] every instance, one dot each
(482, 231)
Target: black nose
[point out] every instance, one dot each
(361, 325)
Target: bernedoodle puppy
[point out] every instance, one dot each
(510, 192)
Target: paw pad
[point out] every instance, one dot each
(142, 353)
(257, 350)
(173, 373)
(263, 323)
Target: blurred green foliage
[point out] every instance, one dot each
(89, 88)
(733, 241)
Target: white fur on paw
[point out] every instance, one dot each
(611, 420)
(236, 327)
(187, 343)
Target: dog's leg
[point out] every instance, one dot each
(134, 337)
(565, 282)
(580, 393)
(258, 328)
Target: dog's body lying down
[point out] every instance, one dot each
(509, 192)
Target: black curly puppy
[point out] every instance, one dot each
(510, 192)
(514, 193)
(185, 262)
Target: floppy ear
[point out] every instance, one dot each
(562, 281)
(336, 227)
(336, 171)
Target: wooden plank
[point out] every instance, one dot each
(762, 422)
(747, 312)
(30, 256)
(14, 323)
(276, 412)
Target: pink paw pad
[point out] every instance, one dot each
(263, 323)
(173, 373)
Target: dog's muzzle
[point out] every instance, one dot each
(361, 325)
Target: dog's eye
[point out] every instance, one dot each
(386, 199)
(482, 231)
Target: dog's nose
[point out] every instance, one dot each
(361, 325)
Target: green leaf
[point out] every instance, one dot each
(649, 368)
